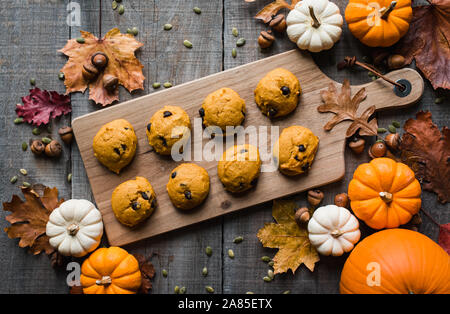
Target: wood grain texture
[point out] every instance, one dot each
(328, 165)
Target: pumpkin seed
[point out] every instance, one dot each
(18, 120)
(392, 129)
(24, 146)
(439, 100)
(209, 289)
(69, 177)
(121, 9)
(23, 171)
(81, 40)
(61, 76)
(26, 184)
(270, 274)
(374, 78)
(208, 251)
(134, 31)
(205, 271)
(167, 27)
(156, 85)
(235, 32)
(370, 74)
(271, 263)
(182, 290)
(13, 179)
(396, 124)
(287, 292)
(167, 85)
(266, 259)
(267, 279)
(238, 239)
(176, 290)
(114, 5)
(33, 81)
(197, 10)
(230, 253)
(36, 131)
(240, 42)
(381, 130)
(249, 292)
(46, 140)
(234, 52)
(187, 44)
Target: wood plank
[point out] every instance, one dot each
(28, 49)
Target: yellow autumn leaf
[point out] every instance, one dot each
(291, 240)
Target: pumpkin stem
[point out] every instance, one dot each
(385, 11)
(386, 196)
(73, 229)
(336, 233)
(106, 280)
(316, 22)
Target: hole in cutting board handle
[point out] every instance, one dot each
(405, 91)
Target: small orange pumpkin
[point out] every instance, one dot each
(110, 271)
(378, 23)
(384, 193)
(396, 261)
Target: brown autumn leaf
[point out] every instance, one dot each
(427, 151)
(147, 273)
(346, 108)
(444, 237)
(272, 9)
(29, 219)
(122, 63)
(428, 41)
(291, 240)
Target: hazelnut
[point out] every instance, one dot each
(66, 134)
(315, 197)
(377, 150)
(265, 39)
(392, 140)
(302, 216)
(53, 149)
(278, 23)
(89, 72)
(341, 200)
(37, 147)
(110, 82)
(357, 145)
(395, 61)
(99, 60)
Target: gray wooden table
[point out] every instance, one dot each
(31, 32)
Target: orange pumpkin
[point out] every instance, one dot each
(378, 23)
(110, 271)
(396, 261)
(384, 193)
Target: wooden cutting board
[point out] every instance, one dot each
(328, 166)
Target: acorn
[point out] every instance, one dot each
(53, 149)
(89, 72)
(392, 140)
(265, 39)
(357, 145)
(37, 147)
(110, 82)
(66, 134)
(315, 197)
(99, 60)
(395, 61)
(302, 216)
(378, 150)
(278, 23)
(341, 200)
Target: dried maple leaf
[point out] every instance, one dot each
(270, 10)
(122, 63)
(346, 108)
(29, 219)
(427, 151)
(444, 237)
(291, 240)
(147, 273)
(428, 41)
(41, 105)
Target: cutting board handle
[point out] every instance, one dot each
(382, 94)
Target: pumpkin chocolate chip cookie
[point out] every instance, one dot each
(133, 201)
(295, 150)
(223, 108)
(166, 127)
(188, 186)
(115, 144)
(239, 168)
(277, 93)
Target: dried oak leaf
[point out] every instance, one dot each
(444, 237)
(122, 63)
(291, 240)
(346, 108)
(427, 151)
(41, 105)
(147, 273)
(270, 10)
(29, 219)
(428, 41)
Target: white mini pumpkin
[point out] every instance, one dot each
(314, 25)
(75, 228)
(333, 230)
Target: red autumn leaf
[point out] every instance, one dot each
(428, 41)
(272, 9)
(444, 237)
(427, 151)
(40, 106)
